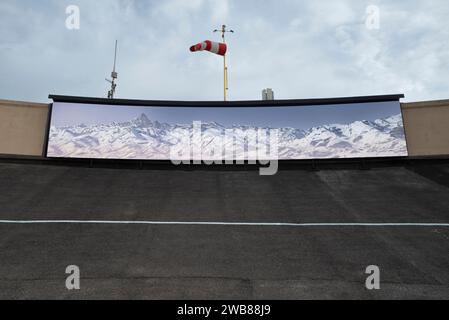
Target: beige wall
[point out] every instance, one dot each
(427, 127)
(22, 127)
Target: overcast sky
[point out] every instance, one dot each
(301, 49)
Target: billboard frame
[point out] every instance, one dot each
(216, 104)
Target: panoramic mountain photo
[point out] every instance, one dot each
(150, 132)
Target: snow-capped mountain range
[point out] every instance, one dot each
(142, 138)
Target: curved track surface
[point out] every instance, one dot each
(234, 240)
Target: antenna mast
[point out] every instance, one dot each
(114, 76)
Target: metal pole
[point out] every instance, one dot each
(225, 80)
(225, 67)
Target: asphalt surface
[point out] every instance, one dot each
(223, 261)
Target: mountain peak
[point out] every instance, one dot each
(143, 117)
(143, 120)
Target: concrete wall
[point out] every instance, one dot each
(427, 127)
(22, 127)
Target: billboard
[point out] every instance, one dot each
(102, 131)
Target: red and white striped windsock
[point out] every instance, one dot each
(214, 47)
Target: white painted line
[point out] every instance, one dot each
(199, 223)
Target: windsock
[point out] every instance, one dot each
(214, 47)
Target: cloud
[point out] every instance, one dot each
(300, 49)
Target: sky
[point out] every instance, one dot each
(300, 49)
(303, 117)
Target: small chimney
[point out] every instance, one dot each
(267, 94)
